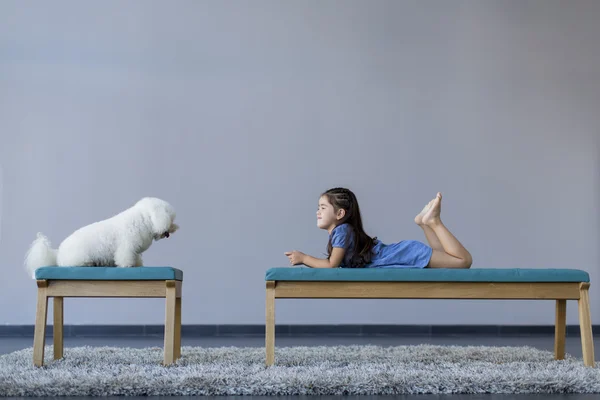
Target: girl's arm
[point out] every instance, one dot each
(337, 255)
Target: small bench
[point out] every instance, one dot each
(475, 283)
(61, 282)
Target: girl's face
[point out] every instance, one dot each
(327, 218)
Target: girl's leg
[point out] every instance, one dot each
(453, 254)
(432, 239)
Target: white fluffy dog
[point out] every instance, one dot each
(118, 241)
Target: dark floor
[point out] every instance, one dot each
(573, 347)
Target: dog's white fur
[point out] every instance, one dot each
(118, 241)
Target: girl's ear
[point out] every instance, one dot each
(341, 214)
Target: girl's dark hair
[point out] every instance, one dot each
(342, 198)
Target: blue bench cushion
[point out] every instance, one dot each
(426, 275)
(109, 273)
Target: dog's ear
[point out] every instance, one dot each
(173, 228)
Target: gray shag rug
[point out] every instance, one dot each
(334, 370)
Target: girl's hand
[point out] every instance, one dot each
(296, 257)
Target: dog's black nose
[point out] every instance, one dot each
(166, 234)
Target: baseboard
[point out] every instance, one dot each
(298, 330)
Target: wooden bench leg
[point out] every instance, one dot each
(560, 329)
(270, 324)
(177, 328)
(171, 296)
(41, 314)
(585, 325)
(57, 312)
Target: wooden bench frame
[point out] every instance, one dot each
(558, 291)
(59, 289)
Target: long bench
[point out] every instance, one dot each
(407, 283)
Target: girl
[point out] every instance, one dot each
(350, 247)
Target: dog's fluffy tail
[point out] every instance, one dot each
(40, 254)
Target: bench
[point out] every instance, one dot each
(148, 282)
(408, 283)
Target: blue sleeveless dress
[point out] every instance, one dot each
(404, 254)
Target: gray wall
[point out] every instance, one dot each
(240, 115)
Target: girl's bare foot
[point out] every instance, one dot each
(432, 214)
(419, 217)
